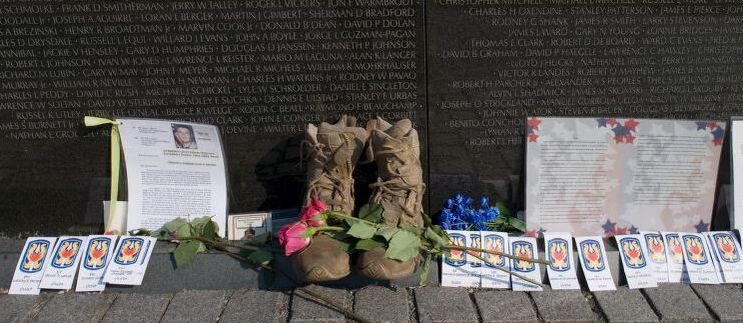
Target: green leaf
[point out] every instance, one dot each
(436, 238)
(202, 248)
(412, 229)
(371, 212)
(368, 244)
(261, 256)
(185, 230)
(345, 246)
(503, 209)
(425, 271)
(173, 225)
(387, 232)
(185, 252)
(209, 230)
(362, 230)
(403, 246)
(517, 224)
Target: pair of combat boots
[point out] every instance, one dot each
(335, 150)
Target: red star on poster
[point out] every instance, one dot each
(717, 141)
(533, 137)
(630, 139)
(712, 125)
(612, 122)
(631, 124)
(620, 231)
(619, 139)
(534, 123)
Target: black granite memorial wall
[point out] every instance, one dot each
(491, 66)
(261, 70)
(466, 72)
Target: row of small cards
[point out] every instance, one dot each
(647, 259)
(51, 263)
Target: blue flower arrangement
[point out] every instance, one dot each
(459, 214)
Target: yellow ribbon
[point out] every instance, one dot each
(115, 161)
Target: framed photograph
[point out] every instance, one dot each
(248, 225)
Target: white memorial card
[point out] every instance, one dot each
(460, 269)
(492, 277)
(697, 258)
(592, 255)
(657, 255)
(129, 262)
(612, 176)
(634, 256)
(677, 272)
(30, 267)
(61, 268)
(558, 247)
(174, 169)
(725, 248)
(98, 252)
(525, 247)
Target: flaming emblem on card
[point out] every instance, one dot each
(494, 243)
(677, 250)
(633, 255)
(476, 243)
(656, 248)
(66, 253)
(458, 257)
(97, 253)
(33, 260)
(695, 250)
(523, 250)
(559, 255)
(129, 251)
(726, 246)
(593, 259)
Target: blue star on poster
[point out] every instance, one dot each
(609, 226)
(701, 226)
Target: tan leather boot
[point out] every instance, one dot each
(399, 189)
(335, 149)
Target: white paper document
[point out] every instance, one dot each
(61, 268)
(174, 169)
(491, 276)
(525, 247)
(129, 262)
(558, 248)
(611, 176)
(736, 161)
(96, 256)
(725, 249)
(657, 255)
(460, 269)
(592, 255)
(30, 268)
(697, 257)
(677, 272)
(634, 255)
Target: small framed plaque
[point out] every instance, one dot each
(248, 225)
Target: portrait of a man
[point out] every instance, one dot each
(184, 136)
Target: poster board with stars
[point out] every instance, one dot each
(612, 176)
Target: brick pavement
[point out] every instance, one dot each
(668, 303)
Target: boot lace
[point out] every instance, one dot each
(396, 185)
(327, 181)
